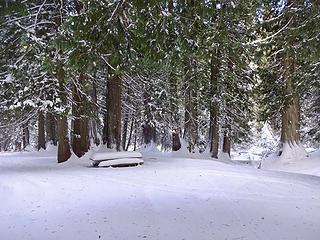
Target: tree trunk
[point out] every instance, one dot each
(226, 147)
(25, 135)
(113, 121)
(41, 134)
(135, 137)
(17, 145)
(51, 129)
(148, 129)
(130, 134)
(214, 107)
(190, 126)
(94, 127)
(80, 131)
(125, 131)
(64, 152)
(149, 133)
(290, 130)
(176, 143)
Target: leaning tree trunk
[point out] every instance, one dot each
(214, 107)
(113, 120)
(41, 131)
(290, 129)
(80, 131)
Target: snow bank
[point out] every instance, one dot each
(99, 156)
(294, 159)
(122, 162)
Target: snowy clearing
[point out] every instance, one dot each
(166, 198)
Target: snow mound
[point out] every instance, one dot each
(100, 156)
(292, 153)
(123, 162)
(315, 154)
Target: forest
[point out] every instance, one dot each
(129, 73)
(195, 86)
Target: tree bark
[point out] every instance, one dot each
(80, 131)
(190, 126)
(176, 143)
(148, 129)
(41, 131)
(290, 130)
(130, 135)
(125, 131)
(25, 135)
(64, 152)
(94, 126)
(113, 121)
(214, 107)
(51, 129)
(135, 137)
(226, 147)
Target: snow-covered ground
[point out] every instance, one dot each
(167, 198)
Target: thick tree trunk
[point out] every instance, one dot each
(41, 131)
(113, 121)
(149, 133)
(226, 147)
(190, 126)
(176, 143)
(51, 129)
(64, 152)
(25, 135)
(290, 130)
(80, 131)
(214, 107)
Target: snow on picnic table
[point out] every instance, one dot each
(166, 198)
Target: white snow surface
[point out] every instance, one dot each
(167, 198)
(297, 161)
